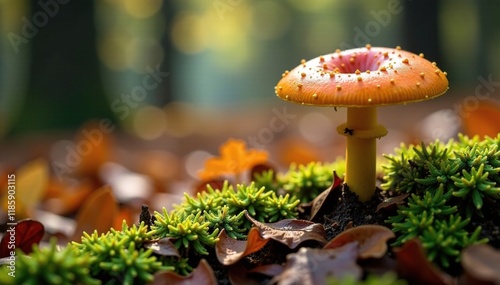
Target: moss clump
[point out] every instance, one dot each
(118, 256)
(307, 181)
(50, 266)
(195, 223)
(449, 184)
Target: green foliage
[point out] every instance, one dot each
(442, 178)
(195, 223)
(468, 167)
(445, 239)
(118, 256)
(308, 181)
(50, 266)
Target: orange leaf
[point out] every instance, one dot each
(97, 213)
(234, 159)
(372, 240)
(202, 275)
(30, 186)
(482, 121)
(94, 145)
(229, 250)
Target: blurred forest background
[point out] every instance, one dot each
(63, 62)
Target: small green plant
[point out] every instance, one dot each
(308, 181)
(118, 256)
(195, 223)
(441, 179)
(51, 266)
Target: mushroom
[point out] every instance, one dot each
(362, 79)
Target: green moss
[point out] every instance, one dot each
(196, 222)
(448, 185)
(306, 182)
(50, 266)
(118, 256)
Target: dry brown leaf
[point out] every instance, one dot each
(372, 240)
(393, 202)
(229, 250)
(412, 263)
(97, 213)
(312, 266)
(238, 275)
(290, 232)
(201, 275)
(481, 263)
(268, 269)
(326, 201)
(162, 247)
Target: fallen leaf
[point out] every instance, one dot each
(483, 120)
(311, 266)
(22, 235)
(412, 263)
(296, 151)
(372, 240)
(239, 275)
(234, 159)
(163, 247)
(393, 202)
(481, 263)
(98, 145)
(97, 213)
(65, 199)
(214, 183)
(229, 250)
(201, 275)
(30, 185)
(326, 201)
(261, 168)
(290, 232)
(268, 269)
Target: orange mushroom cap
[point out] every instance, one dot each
(363, 77)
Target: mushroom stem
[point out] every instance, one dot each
(361, 151)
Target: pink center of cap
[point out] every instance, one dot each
(349, 62)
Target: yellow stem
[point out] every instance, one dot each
(361, 153)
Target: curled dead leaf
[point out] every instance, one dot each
(392, 202)
(413, 264)
(311, 266)
(325, 202)
(290, 232)
(372, 240)
(163, 247)
(97, 213)
(229, 250)
(201, 275)
(481, 263)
